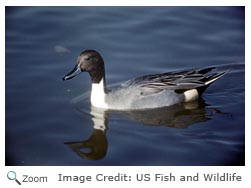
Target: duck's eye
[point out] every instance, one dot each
(88, 58)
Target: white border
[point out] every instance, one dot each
(124, 3)
(53, 171)
(2, 85)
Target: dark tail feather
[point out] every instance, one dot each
(202, 89)
(208, 80)
(206, 70)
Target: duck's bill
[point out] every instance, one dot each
(73, 73)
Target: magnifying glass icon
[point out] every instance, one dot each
(12, 176)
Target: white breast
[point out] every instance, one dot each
(98, 95)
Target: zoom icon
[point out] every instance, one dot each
(11, 175)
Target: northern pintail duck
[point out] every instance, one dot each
(151, 91)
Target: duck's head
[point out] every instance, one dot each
(89, 61)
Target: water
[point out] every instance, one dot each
(51, 122)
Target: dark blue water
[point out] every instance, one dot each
(50, 122)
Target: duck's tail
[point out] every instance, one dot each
(208, 80)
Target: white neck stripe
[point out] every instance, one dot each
(98, 95)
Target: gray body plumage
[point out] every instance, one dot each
(158, 90)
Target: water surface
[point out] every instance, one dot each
(51, 122)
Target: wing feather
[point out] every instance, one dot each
(179, 80)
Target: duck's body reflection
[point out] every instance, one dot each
(177, 116)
